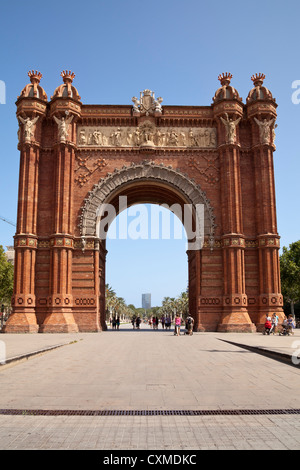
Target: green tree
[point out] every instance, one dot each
(183, 304)
(6, 278)
(290, 274)
(171, 305)
(115, 305)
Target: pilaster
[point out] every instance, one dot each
(64, 110)
(228, 113)
(261, 111)
(31, 110)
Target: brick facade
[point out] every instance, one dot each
(74, 157)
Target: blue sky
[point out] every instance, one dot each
(177, 49)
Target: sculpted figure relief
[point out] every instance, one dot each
(264, 130)
(147, 134)
(63, 126)
(230, 126)
(28, 127)
(147, 103)
(136, 104)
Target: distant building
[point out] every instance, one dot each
(146, 301)
(10, 254)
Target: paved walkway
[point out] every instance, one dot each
(149, 390)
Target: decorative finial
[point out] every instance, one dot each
(258, 79)
(34, 76)
(225, 78)
(67, 76)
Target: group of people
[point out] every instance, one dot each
(114, 322)
(154, 322)
(136, 321)
(271, 325)
(189, 323)
(165, 322)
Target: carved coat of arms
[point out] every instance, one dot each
(147, 103)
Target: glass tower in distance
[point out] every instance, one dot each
(146, 301)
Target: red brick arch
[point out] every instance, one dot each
(74, 157)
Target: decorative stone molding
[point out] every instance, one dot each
(269, 241)
(25, 241)
(145, 171)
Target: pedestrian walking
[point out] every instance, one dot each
(168, 322)
(177, 324)
(189, 325)
(290, 325)
(274, 323)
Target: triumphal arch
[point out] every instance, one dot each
(76, 159)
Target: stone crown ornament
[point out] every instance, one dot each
(258, 79)
(225, 78)
(67, 76)
(33, 89)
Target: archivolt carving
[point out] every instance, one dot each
(148, 171)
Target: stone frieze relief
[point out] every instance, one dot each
(146, 135)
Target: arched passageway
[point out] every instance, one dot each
(152, 184)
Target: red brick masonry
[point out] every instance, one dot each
(74, 157)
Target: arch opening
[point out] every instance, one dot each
(146, 253)
(149, 183)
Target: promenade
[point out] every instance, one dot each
(145, 389)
